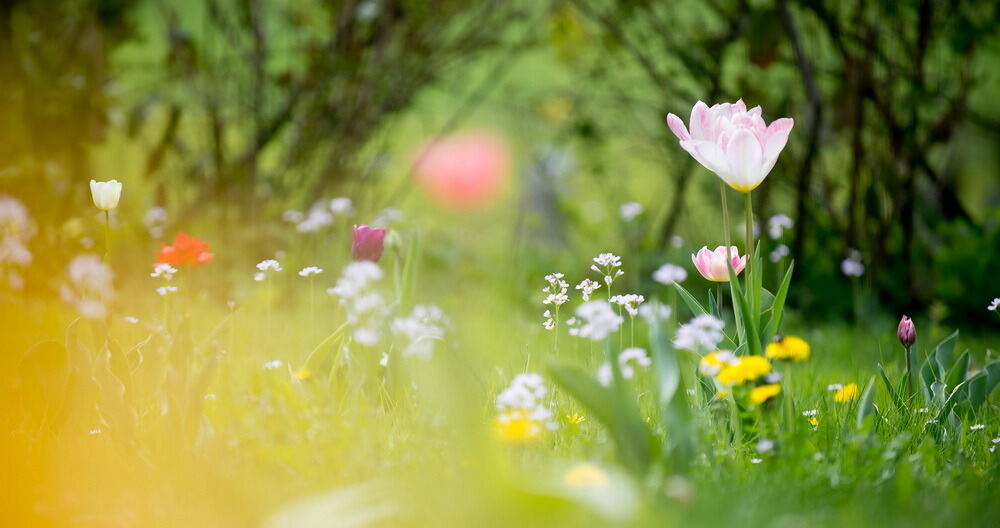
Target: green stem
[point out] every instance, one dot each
(909, 370)
(107, 235)
(725, 213)
(749, 248)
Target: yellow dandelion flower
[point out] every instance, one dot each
(721, 395)
(575, 419)
(586, 475)
(517, 427)
(763, 393)
(711, 364)
(303, 374)
(847, 393)
(748, 368)
(788, 348)
(813, 421)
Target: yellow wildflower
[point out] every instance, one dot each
(586, 475)
(711, 364)
(813, 421)
(763, 393)
(575, 419)
(748, 368)
(847, 393)
(516, 427)
(303, 374)
(788, 348)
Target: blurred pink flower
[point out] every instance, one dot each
(733, 142)
(712, 264)
(368, 243)
(463, 171)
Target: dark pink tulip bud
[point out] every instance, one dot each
(906, 332)
(367, 243)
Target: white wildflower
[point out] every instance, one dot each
(599, 320)
(609, 264)
(628, 211)
(654, 312)
(994, 305)
(630, 302)
(163, 291)
(131, 320)
(700, 334)
(977, 427)
(269, 265)
(669, 274)
(765, 446)
(777, 224)
(341, 206)
(310, 271)
(163, 270)
(779, 253)
(259, 276)
(809, 413)
(422, 329)
(834, 387)
(852, 266)
(525, 394)
(756, 460)
(274, 364)
(316, 219)
(587, 288)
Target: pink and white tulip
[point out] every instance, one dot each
(733, 142)
(712, 264)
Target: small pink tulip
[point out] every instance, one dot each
(463, 171)
(733, 142)
(907, 332)
(367, 243)
(712, 264)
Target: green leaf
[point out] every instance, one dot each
(867, 403)
(778, 306)
(958, 371)
(692, 303)
(943, 351)
(900, 406)
(674, 409)
(750, 326)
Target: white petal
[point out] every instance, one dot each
(745, 155)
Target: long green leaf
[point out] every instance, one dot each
(958, 371)
(900, 406)
(778, 306)
(692, 303)
(867, 404)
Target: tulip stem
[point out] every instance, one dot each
(909, 369)
(107, 235)
(725, 214)
(749, 222)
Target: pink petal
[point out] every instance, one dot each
(744, 155)
(708, 154)
(774, 142)
(700, 123)
(677, 127)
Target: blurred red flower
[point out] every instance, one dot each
(463, 171)
(186, 251)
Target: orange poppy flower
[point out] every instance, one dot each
(186, 251)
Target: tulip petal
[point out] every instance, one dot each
(701, 122)
(677, 127)
(744, 154)
(775, 139)
(709, 155)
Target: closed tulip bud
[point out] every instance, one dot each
(906, 332)
(106, 194)
(368, 243)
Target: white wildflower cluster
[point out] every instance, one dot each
(608, 264)
(977, 427)
(162, 270)
(587, 288)
(163, 291)
(777, 224)
(90, 286)
(155, 221)
(810, 413)
(779, 253)
(320, 215)
(724, 357)
(524, 399)
(852, 266)
(995, 305)
(765, 446)
(700, 334)
(310, 271)
(422, 329)
(628, 211)
(630, 302)
(599, 320)
(16, 230)
(628, 360)
(669, 274)
(654, 312)
(556, 290)
(274, 364)
(833, 387)
(265, 266)
(364, 307)
(386, 217)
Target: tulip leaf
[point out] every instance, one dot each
(692, 303)
(896, 400)
(942, 353)
(867, 403)
(958, 371)
(778, 306)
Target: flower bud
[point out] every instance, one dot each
(106, 194)
(906, 332)
(368, 243)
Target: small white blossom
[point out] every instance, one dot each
(630, 302)
(163, 291)
(772, 377)
(310, 271)
(809, 413)
(669, 274)
(422, 329)
(269, 265)
(852, 266)
(274, 364)
(131, 320)
(722, 356)
(599, 320)
(316, 219)
(525, 394)
(779, 253)
(700, 334)
(834, 387)
(587, 288)
(654, 312)
(765, 446)
(777, 224)
(341, 206)
(628, 211)
(163, 270)
(977, 427)
(259, 276)
(756, 460)
(994, 305)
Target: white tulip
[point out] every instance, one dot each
(106, 194)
